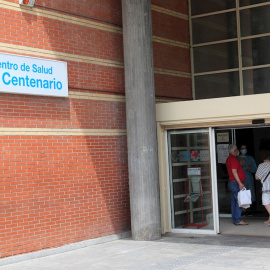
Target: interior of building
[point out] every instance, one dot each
(255, 139)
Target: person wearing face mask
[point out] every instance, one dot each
(235, 183)
(249, 166)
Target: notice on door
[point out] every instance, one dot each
(222, 152)
(204, 155)
(191, 171)
(223, 137)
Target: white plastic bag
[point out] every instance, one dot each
(244, 198)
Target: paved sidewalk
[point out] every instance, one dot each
(172, 252)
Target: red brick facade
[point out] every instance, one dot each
(64, 176)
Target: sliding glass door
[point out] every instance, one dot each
(190, 179)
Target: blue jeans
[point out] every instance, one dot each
(236, 210)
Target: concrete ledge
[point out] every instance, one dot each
(73, 246)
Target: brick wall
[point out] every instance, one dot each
(61, 189)
(171, 49)
(63, 163)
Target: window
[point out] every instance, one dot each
(230, 41)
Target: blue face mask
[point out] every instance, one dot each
(243, 151)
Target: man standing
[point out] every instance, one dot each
(235, 184)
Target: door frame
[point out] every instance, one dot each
(216, 230)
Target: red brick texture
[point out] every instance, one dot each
(49, 112)
(178, 87)
(174, 5)
(96, 78)
(169, 57)
(175, 58)
(170, 27)
(60, 189)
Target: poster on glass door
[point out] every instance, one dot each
(222, 152)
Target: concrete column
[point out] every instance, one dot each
(141, 120)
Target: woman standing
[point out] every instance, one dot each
(264, 175)
(249, 166)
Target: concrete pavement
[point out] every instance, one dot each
(172, 252)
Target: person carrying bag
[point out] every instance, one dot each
(262, 174)
(244, 198)
(235, 183)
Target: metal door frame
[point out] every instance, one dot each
(211, 132)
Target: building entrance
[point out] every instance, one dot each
(255, 139)
(236, 117)
(198, 176)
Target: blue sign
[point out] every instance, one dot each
(33, 76)
(187, 155)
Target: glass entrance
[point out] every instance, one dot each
(255, 139)
(191, 179)
(224, 137)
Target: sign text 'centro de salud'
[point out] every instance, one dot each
(33, 76)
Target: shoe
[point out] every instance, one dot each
(241, 223)
(267, 223)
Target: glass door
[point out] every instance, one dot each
(190, 177)
(224, 137)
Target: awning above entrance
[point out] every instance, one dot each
(230, 111)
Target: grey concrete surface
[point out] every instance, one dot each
(256, 227)
(141, 120)
(172, 252)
